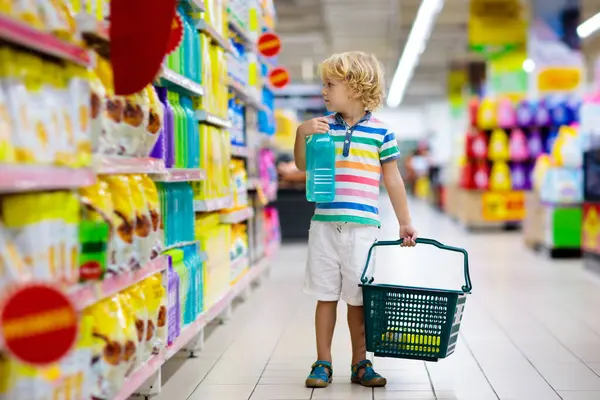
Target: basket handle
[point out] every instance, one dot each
(466, 288)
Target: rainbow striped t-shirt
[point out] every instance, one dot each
(359, 152)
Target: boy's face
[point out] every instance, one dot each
(336, 95)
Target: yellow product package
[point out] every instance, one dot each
(7, 150)
(156, 301)
(97, 112)
(41, 116)
(98, 211)
(78, 109)
(18, 380)
(139, 308)
(132, 132)
(143, 221)
(124, 214)
(12, 265)
(108, 348)
(75, 372)
(28, 12)
(72, 219)
(63, 150)
(152, 201)
(155, 120)
(121, 301)
(15, 68)
(58, 18)
(26, 220)
(113, 113)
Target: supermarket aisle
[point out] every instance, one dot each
(531, 330)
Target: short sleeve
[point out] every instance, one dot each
(388, 151)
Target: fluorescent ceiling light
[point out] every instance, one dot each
(588, 27)
(415, 45)
(528, 65)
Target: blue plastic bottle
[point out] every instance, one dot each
(320, 168)
(193, 135)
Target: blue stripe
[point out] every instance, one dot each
(337, 127)
(390, 158)
(389, 137)
(349, 206)
(368, 129)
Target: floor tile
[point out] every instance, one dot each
(281, 392)
(579, 395)
(222, 392)
(570, 376)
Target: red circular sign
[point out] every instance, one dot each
(269, 44)
(279, 77)
(176, 35)
(38, 324)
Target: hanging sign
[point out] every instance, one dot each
(279, 77)
(38, 324)
(496, 26)
(176, 35)
(503, 206)
(269, 44)
(559, 79)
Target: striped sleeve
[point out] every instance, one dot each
(388, 150)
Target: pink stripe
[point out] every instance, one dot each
(356, 179)
(357, 193)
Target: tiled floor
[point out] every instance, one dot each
(531, 329)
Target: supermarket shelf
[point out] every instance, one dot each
(20, 33)
(181, 175)
(213, 204)
(145, 372)
(108, 165)
(212, 119)
(19, 178)
(246, 95)
(137, 379)
(215, 36)
(179, 83)
(237, 216)
(217, 309)
(236, 25)
(89, 294)
(239, 151)
(179, 245)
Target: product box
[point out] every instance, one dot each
(562, 186)
(591, 173)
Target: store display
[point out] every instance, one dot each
(130, 252)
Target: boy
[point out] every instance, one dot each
(342, 231)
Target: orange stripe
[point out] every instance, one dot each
(356, 165)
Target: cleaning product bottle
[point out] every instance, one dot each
(188, 55)
(320, 168)
(507, 117)
(193, 145)
(525, 112)
(518, 176)
(542, 114)
(181, 136)
(500, 176)
(518, 146)
(535, 143)
(498, 147)
(481, 179)
(487, 115)
(163, 149)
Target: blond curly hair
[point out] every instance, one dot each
(362, 73)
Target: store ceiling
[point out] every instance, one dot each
(313, 29)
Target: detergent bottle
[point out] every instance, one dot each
(518, 146)
(535, 143)
(542, 114)
(481, 176)
(500, 176)
(518, 176)
(486, 114)
(498, 148)
(320, 168)
(525, 112)
(507, 116)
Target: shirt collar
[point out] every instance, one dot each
(365, 118)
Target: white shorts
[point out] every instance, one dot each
(337, 253)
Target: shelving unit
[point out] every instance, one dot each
(182, 188)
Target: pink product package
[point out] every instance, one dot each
(268, 172)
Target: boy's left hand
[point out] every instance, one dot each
(409, 234)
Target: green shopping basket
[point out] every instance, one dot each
(412, 322)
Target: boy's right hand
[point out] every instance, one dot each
(312, 126)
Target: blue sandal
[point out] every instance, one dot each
(321, 375)
(369, 378)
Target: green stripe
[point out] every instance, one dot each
(389, 152)
(346, 218)
(93, 247)
(359, 139)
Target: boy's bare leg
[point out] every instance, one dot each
(325, 319)
(356, 323)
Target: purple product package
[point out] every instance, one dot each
(173, 304)
(542, 114)
(525, 114)
(518, 176)
(167, 138)
(535, 144)
(158, 151)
